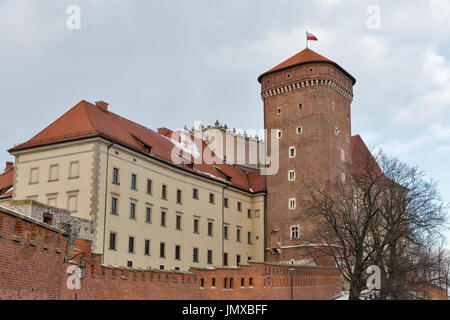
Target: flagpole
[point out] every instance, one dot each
(306, 33)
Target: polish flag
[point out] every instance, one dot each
(310, 36)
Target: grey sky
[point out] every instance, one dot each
(170, 63)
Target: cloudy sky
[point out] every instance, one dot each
(170, 63)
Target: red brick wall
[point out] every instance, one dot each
(31, 259)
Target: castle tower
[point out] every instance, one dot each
(307, 98)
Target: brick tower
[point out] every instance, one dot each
(307, 98)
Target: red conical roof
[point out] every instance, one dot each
(305, 56)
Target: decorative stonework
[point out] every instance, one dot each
(94, 203)
(307, 83)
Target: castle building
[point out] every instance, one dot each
(153, 199)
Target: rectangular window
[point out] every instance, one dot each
(291, 152)
(147, 248)
(74, 170)
(336, 131)
(238, 260)
(250, 282)
(195, 193)
(72, 203)
(295, 232)
(210, 228)
(196, 225)
(238, 234)
(210, 257)
(211, 198)
(178, 222)
(213, 282)
(291, 175)
(54, 171)
(225, 231)
(164, 192)
(249, 213)
(225, 202)
(292, 203)
(162, 250)
(129, 264)
(148, 214)
(131, 244)
(239, 206)
(163, 219)
(342, 155)
(132, 210)
(249, 238)
(114, 205)
(51, 200)
(299, 130)
(225, 259)
(195, 255)
(112, 241)
(149, 186)
(115, 177)
(179, 196)
(177, 252)
(34, 175)
(133, 182)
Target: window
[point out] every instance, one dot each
(238, 234)
(162, 250)
(292, 203)
(195, 255)
(342, 155)
(257, 213)
(178, 222)
(211, 198)
(278, 110)
(147, 247)
(213, 282)
(292, 152)
(164, 192)
(53, 174)
(332, 106)
(291, 175)
(195, 193)
(279, 134)
(336, 131)
(114, 205)
(300, 107)
(129, 264)
(238, 259)
(210, 257)
(74, 170)
(148, 214)
(347, 138)
(249, 238)
(343, 177)
(225, 202)
(202, 283)
(132, 210)
(239, 206)
(34, 175)
(179, 196)
(299, 130)
(149, 186)
(133, 182)
(210, 228)
(295, 232)
(131, 244)
(163, 219)
(225, 259)
(196, 225)
(112, 241)
(250, 282)
(249, 213)
(51, 199)
(225, 231)
(72, 202)
(242, 282)
(115, 177)
(161, 267)
(177, 252)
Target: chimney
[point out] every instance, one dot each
(9, 166)
(102, 105)
(164, 131)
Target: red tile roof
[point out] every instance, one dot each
(87, 120)
(6, 183)
(305, 56)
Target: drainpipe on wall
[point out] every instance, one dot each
(106, 201)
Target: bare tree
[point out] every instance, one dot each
(385, 214)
